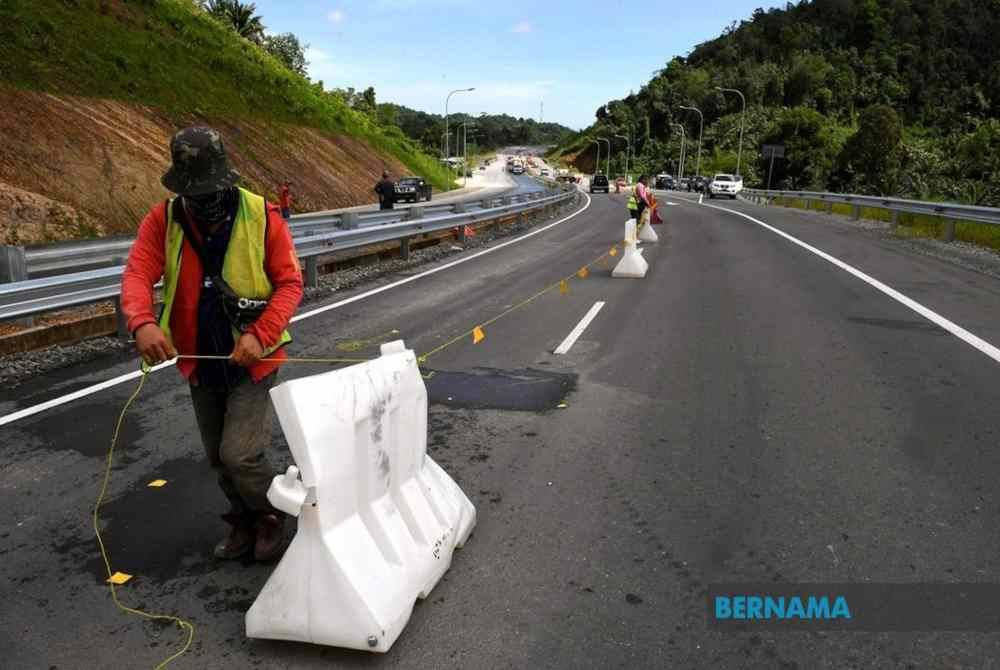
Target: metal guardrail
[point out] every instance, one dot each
(31, 297)
(947, 212)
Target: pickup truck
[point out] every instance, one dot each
(412, 189)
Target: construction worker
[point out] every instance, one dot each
(386, 190)
(231, 283)
(286, 199)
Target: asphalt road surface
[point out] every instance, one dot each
(747, 412)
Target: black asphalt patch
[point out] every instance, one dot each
(488, 388)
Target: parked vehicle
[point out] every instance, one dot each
(665, 181)
(412, 189)
(682, 185)
(725, 184)
(599, 182)
(697, 184)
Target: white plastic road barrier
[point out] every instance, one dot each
(378, 519)
(646, 232)
(632, 263)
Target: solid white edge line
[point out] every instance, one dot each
(121, 379)
(932, 316)
(575, 334)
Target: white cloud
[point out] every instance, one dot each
(335, 15)
(316, 56)
(522, 27)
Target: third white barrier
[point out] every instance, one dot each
(632, 264)
(378, 519)
(646, 232)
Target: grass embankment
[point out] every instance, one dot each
(170, 55)
(909, 225)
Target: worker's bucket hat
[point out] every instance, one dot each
(200, 164)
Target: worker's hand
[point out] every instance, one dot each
(153, 345)
(248, 350)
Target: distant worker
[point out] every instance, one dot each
(633, 206)
(231, 283)
(386, 190)
(642, 198)
(286, 200)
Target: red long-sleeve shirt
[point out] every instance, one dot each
(145, 268)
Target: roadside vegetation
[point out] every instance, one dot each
(883, 98)
(208, 59)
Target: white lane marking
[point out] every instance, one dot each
(90, 390)
(961, 333)
(575, 334)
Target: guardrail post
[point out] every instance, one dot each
(458, 208)
(948, 230)
(404, 248)
(856, 212)
(506, 201)
(895, 219)
(486, 203)
(312, 272)
(829, 207)
(414, 213)
(121, 324)
(349, 220)
(13, 264)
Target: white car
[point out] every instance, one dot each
(725, 184)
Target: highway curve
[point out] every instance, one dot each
(747, 412)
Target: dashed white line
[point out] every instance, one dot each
(121, 379)
(575, 334)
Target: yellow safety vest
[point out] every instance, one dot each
(633, 201)
(243, 267)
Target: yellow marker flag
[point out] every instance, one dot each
(119, 578)
(583, 272)
(564, 287)
(478, 335)
(613, 252)
(156, 483)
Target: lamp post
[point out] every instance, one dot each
(628, 150)
(597, 163)
(607, 169)
(447, 144)
(465, 150)
(680, 168)
(743, 116)
(701, 133)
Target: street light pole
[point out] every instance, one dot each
(680, 174)
(743, 116)
(628, 150)
(701, 133)
(597, 163)
(447, 139)
(607, 170)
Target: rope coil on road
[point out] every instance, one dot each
(561, 284)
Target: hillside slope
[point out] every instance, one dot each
(889, 97)
(91, 91)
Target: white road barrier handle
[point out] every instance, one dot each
(287, 492)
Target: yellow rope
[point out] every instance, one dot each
(183, 624)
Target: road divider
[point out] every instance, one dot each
(632, 265)
(378, 518)
(647, 234)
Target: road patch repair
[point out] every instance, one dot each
(488, 388)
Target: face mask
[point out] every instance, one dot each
(210, 209)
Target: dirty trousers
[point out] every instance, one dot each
(235, 426)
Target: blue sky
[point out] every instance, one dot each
(574, 56)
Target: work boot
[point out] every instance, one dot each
(270, 537)
(240, 539)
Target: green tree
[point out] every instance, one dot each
(287, 49)
(811, 147)
(240, 16)
(872, 154)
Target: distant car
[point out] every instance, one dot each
(682, 183)
(412, 189)
(725, 184)
(697, 184)
(665, 181)
(599, 182)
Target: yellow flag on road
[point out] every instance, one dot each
(564, 287)
(583, 272)
(478, 335)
